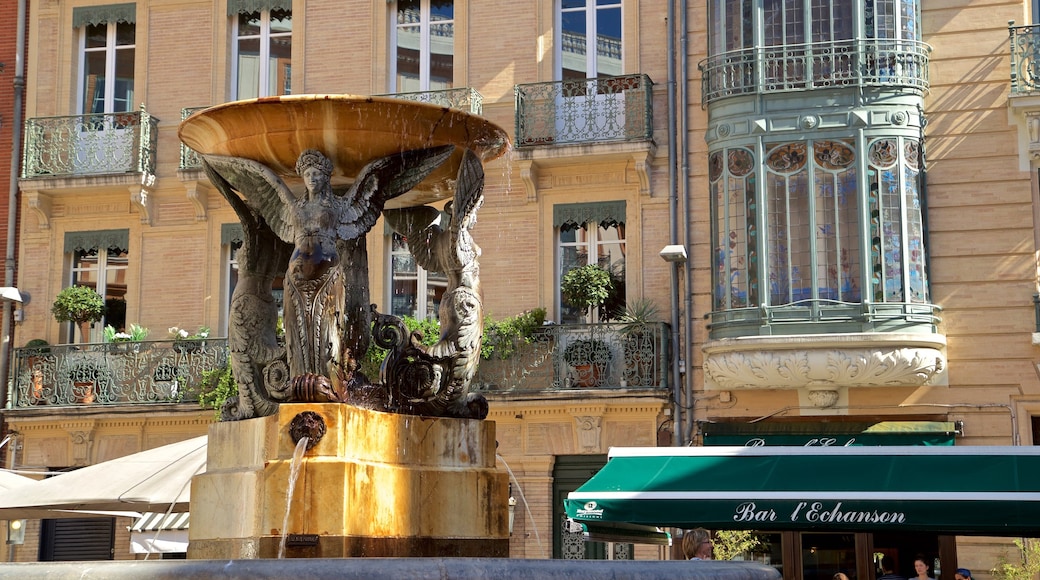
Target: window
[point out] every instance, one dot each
(423, 45)
(100, 260)
(814, 217)
(591, 233)
(262, 60)
(580, 21)
(107, 67)
(414, 291)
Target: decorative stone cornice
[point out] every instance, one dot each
(825, 362)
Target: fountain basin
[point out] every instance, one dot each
(351, 130)
(377, 484)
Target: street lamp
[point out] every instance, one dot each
(16, 532)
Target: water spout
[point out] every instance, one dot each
(294, 473)
(527, 508)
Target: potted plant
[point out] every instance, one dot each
(121, 340)
(34, 352)
(589, 357)
(586, 287)
(80, 305)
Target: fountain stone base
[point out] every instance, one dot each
(376, 485)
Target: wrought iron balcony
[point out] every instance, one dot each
(114, 373)
(463, 98)
(585, 356)
(189, 156)
(584, 111)
(84, 145)
(1025, 58)
(819, 65)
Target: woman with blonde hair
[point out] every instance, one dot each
(696, 544)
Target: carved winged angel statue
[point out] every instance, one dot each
(327, 313)
(447, 248)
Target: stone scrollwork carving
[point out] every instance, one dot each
(823, 369)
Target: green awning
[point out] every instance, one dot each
(952, 490)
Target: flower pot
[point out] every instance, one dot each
(587, 375)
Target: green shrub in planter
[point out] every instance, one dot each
(80, 305)
(586, 287)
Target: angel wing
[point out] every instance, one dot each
(421, 227)
(261, 188)
(382, 180)
(469, 191)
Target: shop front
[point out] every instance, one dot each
(823, 509)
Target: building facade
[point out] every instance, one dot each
(851, 182)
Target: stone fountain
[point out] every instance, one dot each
(399, 467)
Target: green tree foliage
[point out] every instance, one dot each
(78, 304)
(586, 287)
(503, 337)
(732, 543)
(1026, 566)
(216, 386)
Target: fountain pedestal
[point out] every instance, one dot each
(376, 484)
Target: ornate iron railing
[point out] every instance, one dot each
(189, 156)
(1025, 58)
(601, 356)
(463, 98)
(818, 65)
(90, 145)
(584, 111)
(115, 373)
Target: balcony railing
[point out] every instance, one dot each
(584, 111)
(189, 157)
(115, 373)
(463, 98)
(819, 65)
(94, 144)
(586, 356)
(1025, 58)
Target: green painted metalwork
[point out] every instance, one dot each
(1025, 58)
(584, 111)
(824, 316)
(93, 144)
(881, 62)
(114, 373)
(84, 15)
(189, 157)
(580, 356)
(463, 98)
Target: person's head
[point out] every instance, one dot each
(920, 566)
(315, 169)
(696, 543)
(886, 564)
(840, 576)
(962, 574)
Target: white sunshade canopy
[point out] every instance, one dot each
(149, 481)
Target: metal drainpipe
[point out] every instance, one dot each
(673, 232)
(688, 412)
(12, 202)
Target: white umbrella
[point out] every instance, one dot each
(11, 480)
(149, 481)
